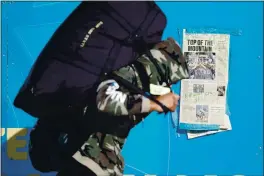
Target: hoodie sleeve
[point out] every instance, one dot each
(115, 100)
(171, 60)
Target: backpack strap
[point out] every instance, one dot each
(143, 76)
(138, 90)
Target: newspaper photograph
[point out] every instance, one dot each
(201, 65)
(203, 96)
(207, 55)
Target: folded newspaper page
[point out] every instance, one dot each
(226, 127)
(203, 96)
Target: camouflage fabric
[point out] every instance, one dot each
(171, 61)
(116, 100)
(101, 152)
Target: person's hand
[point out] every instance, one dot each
(169, 100)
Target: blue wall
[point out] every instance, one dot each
(27, 26)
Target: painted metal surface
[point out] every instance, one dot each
(27, 26)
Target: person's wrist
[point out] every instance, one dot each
(153, 106)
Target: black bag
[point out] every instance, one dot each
(45, 152)
(96, 38)
(52, 145)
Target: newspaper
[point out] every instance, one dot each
(226, 127)
(203, 96)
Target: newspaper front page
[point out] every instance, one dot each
(203, 96)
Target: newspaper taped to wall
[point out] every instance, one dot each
(203, 96)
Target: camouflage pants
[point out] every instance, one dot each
(102, 154)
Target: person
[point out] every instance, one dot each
(117, 109)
